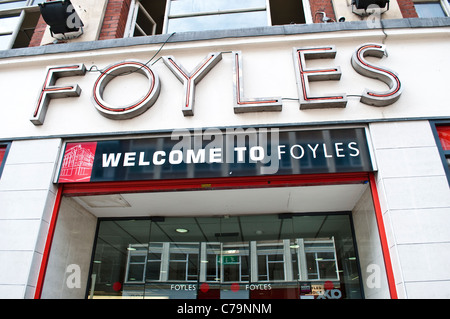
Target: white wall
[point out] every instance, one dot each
(71, 251)
(419, 56)
(415, 201)
(370, 254)
(27, 197)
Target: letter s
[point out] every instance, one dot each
(389, 77)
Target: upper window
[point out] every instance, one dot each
(167, 16)
(197, 15)
(18, 20)
(432, 9)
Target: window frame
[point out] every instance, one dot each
(135, 250)
(444, 154)
(168, 16)
(445, 5)
(20, 12)
(135, 6)
(131, 25)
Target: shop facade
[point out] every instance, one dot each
(310, 163)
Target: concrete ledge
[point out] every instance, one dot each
(411, 23)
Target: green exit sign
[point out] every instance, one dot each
(228, 260)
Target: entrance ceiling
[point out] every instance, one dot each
(327, 198)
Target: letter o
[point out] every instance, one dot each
(302, 153)
(175, 157)
(134, 109)
(257, 153)
(335, 294)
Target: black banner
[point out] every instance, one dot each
(218, 153)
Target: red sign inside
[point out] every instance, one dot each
(444, 136)
(2, 153)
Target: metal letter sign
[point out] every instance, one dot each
(190, 79)
(387, 76)
(305, 75)
(50, 91)
(134, 109)
(241, 103)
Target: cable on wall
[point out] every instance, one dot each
(94, 68)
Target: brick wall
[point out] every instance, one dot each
(321, 6)
(113, 26)
(115, 19)
(39, 31)
(407, 8)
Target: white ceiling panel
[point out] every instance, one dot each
(328, 198)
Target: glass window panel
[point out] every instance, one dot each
(231, 273)
(212, 269)
(8, 24)
(197, 6)
(262, 267)
(35, 2)
(275, 258)
(276, 271)
(137, 259)
(177, 271)
(295, 266)
(12, 5)
(219, 22)
(267, 249)
(154, 256)
(193, 265)
(444, 136)
(325, 255)
(327, 270)
(153, 270)
(429, 10)
(136, 272)
(2, 151)
(177, 257)
(5, 41)
(311, 266)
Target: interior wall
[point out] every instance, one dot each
(371, 260)
(70, 256)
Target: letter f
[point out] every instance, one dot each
(49, 90)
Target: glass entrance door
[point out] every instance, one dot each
(240, 257)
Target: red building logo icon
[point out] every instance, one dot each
(77, 162)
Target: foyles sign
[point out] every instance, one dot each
(242, 104)
(217, 153)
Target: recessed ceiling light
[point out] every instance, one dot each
(181, 230)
